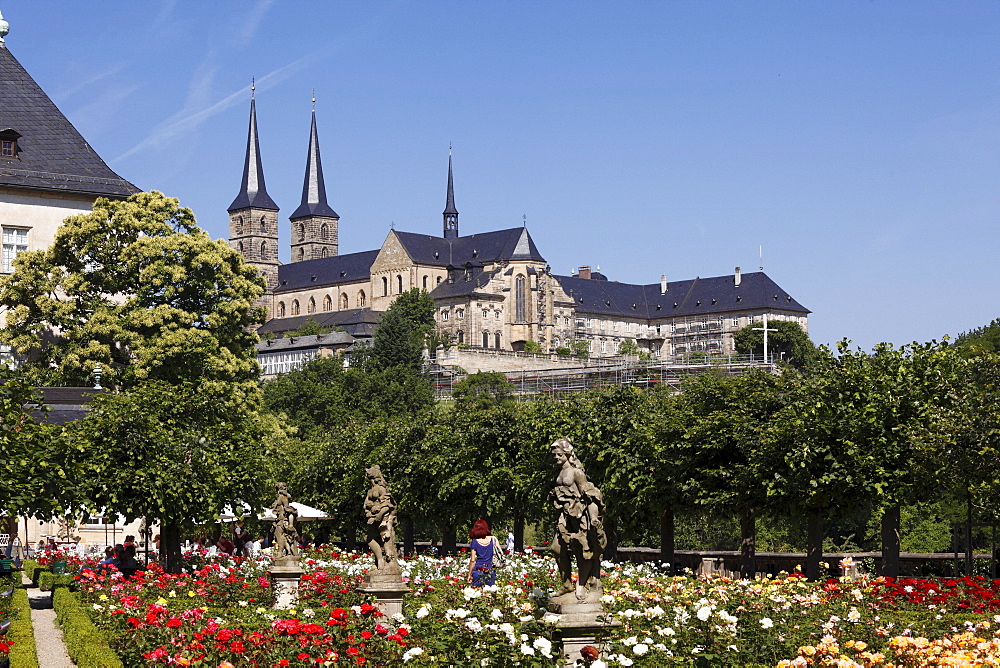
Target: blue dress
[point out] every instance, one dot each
(482, 571)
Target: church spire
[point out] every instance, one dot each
(315, 225)
(450, 212)
(313, 188)
(252, 192)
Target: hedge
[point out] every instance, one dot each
(85, 643)
(49, 581)
(23, 654)
(31, 570)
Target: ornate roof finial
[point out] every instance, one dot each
(524, 220)
(314, 99)
(4, 28)
(253, 86)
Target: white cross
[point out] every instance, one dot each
(765, 330)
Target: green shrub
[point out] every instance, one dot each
(86, 644)
(23, 654)
(32, 569)
(49, 581)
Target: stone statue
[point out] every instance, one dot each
(580, 532)
(286, 536)
(380, 515)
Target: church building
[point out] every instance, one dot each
(492, 290)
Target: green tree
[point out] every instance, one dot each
(986, 338)
(401, 333)
(628, 347)
(483, 389)
(579, 348)
(790, 339)
(39, 470)
(176, 452)
(136, 288)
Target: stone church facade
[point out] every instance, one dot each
(491, 290)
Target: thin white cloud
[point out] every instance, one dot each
(88, 82)
(252, 24)
(190, 118)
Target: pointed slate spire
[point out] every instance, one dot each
(253, 193)
(450, 212)
(313, 188)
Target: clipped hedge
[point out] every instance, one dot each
(50, 581)
(86, 644)
(23, 654)
(32, 569)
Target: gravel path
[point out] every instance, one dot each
(48, 637)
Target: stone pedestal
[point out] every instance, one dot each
(285, 578)
(388, 596)
(578, 626)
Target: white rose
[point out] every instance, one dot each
(640, 649)
(766, 623)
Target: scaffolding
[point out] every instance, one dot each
(604, 373)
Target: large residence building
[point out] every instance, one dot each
(492, 290)
(48, 171)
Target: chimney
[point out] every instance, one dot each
(738, 277)
(584, 271)
(663, 284)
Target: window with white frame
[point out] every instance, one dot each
(486, 314)
(444, 315)
(15, 241)
(460, 314)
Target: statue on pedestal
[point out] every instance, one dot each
(580, 532)
(380, 515)
(286, 536)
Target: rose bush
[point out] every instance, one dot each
(222, 613)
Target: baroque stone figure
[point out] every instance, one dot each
(580, 535)
(286, 536)
(380, 515)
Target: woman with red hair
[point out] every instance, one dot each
(483, 545)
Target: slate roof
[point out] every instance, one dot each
(325, 271)
(459, 287)
(52, 155)
(699, 296)
(358, 322)
(498, 246)
(253, 192)
(313, 187)
(64, 404)
(300, 342)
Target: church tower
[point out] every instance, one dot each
(253, 215)
(314, 223)
(450, 212)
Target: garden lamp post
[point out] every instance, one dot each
(97, 377)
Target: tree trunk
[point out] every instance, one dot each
(611, 528)
(170, 546)
(408, 540)
(968, 533)
(814, 545)
(518, 531)
(890, 541)
(667, 540)
(748, 543)
(448, 545)
(351, 536)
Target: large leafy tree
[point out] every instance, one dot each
(789, 343)
(38, 468)
(986, 338)
(399, 339)
(136, 288)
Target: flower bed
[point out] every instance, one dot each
(221, 615)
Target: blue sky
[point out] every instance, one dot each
(858, 143)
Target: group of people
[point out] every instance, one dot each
(243, 544)
(121, 557)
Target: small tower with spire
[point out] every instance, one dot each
(314, 223)
(253, 215)
(450, 212)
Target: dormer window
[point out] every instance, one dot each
(8, 144)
